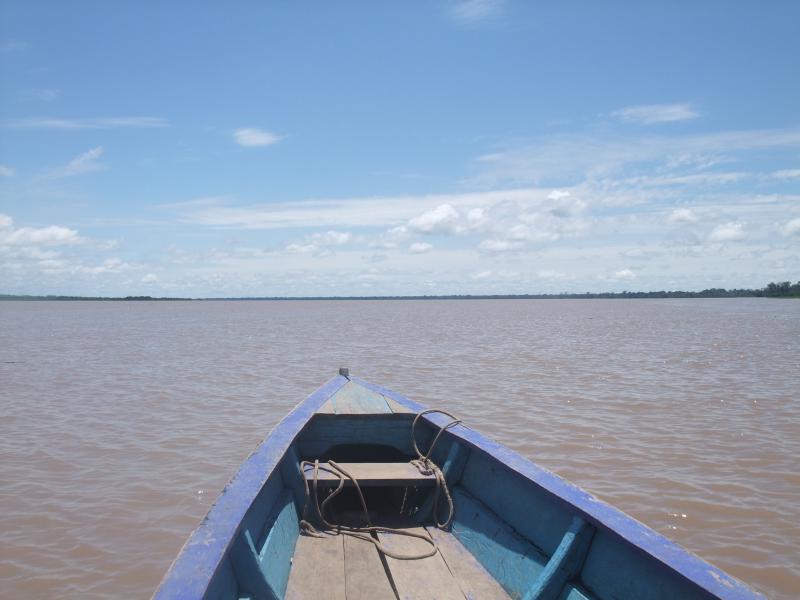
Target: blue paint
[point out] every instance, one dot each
(326, 431)
(190, 575)
(615, 569)
(712, 580)
(572, 592)
(511, 514)
(249, 576)
(256, 520)
(533, 512)
(453, 467)
(292, 477)
(275, 557)
(223, 586)
(565, 564)
(508, 557)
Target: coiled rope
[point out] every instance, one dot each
(369, 533)
(426, 466)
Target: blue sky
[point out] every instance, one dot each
(255, 148)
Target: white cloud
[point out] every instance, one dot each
(476, 217)
(251, 136)
(786, 174)
(109, 265)
(624, 275)
(473, 11)
(371, 211)
(302, 248)
(53, 235)
(656, 113)
(496, 246)
(320, 243)
(727, 232)
(694, 179)
(682, 215)
(94, 123)
(83, 163)
(519, 232)
(6, 171)
(391, 238)
(150, 278)
(550, 274)
(557, 195)
(420, 248)
(564, 204)
(791, 227)
(595, 158)
(442, 219)
(332, 238)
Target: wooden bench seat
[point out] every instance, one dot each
(371, 475)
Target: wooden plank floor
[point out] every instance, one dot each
(346, 568)
(317, 569)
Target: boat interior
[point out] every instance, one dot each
(508, 538)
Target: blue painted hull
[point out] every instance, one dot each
(537, 535)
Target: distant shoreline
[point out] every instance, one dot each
(773, 290)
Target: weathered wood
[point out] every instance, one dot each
(275, 556)
(223, 586)
(397, 407)
(422, 579)
(244, 560)
(510, 559)
(515, 502)
(371, 474)
(289, 469)
(262, 565)
(572, 592)
(565, 564)
(707, 580)
(364, 573)
(614, 569)
(327, 431)
(354, 399)
(475, 582)
(317, 569)
(452, 469)
(327, 408)
(202, 557)
(537, 515)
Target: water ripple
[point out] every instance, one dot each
(122, 421)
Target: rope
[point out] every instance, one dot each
(425, 465)
(362, 533)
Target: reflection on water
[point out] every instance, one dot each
(121, 422)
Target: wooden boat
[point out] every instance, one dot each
(516, 530)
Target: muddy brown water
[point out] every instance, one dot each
(121, 421)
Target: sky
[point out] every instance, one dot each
(243, 148)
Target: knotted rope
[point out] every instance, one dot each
(425, 465)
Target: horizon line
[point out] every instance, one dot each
(705, 293)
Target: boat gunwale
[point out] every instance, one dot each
(691, 567)
(201, 556)
(199, 559)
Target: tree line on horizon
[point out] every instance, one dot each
(783, 289)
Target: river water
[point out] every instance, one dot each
(121, 421)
